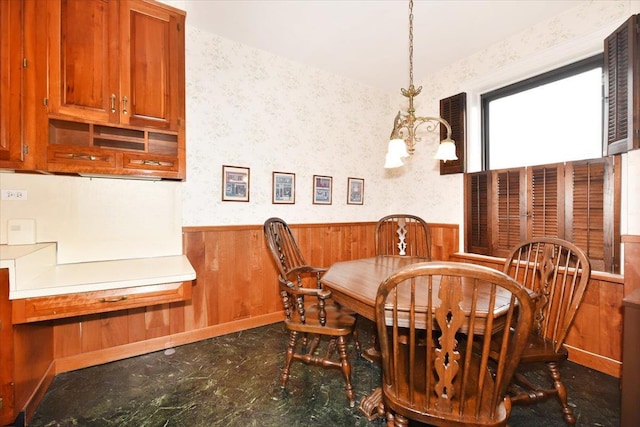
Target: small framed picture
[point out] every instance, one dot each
(322, 186)
(235, 184)
(284, 188)
(355, 195)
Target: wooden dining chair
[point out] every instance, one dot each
(309, 323)
(558, 272)
(403, 234)
(446, 377)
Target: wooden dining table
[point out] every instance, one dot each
(355, 283)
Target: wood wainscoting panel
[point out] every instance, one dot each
(631, 264)
(236, 288)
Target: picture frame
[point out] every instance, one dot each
(235, 184)
(283, 190)
(322, 189)
(355, 191)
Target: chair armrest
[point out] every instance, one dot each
(291, 288)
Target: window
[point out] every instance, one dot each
(554, 117)
(563, 189)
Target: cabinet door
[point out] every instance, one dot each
(83, 74)
(10, 81)
(152, 65)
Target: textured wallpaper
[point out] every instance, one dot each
(249, 108)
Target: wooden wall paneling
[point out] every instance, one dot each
(66, 337)
(177, 317)
(444, 241)
(91, 333)
(258, 298)
(240, 285)
(213, 276)
(631, 264)
(157, 321)
(611, 320)
(196, 309)
(363, 244)
(114, 329)
(135, 324)
(342, 240)
(226, 289)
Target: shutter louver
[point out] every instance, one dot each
(453, 110)
(508, 209)
(478, 186)
(545, 212)
(588, 210)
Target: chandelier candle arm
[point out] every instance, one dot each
(403, 136)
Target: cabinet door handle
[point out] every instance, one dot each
(114, 299)
(113, 103)
(124, 104)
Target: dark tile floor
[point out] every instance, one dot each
(233, 380)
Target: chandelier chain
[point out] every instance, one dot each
(410, 43)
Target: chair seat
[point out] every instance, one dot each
(541, 350)
(339, 322)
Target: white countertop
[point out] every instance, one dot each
(33, 272)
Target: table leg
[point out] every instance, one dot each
(372, 406)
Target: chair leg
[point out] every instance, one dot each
(346, 370)
(293, 336)
(561, 392)
(396, 420)
(356, 341)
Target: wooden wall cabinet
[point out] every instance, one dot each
(11, 43)
(116, 88)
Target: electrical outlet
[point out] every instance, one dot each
(14, 194)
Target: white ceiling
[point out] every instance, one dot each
(367, 40)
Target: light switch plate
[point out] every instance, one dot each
(21, 231)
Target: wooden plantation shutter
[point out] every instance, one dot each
(508, 210)
(577, 201)
(545, 210)
(477, 224)
(622, 88)
(591, 201)
(453, 110)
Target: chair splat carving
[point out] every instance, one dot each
(449, 316)
(402, 234)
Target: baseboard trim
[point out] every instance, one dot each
(595, 361)
(111, 354)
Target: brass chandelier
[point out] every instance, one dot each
(403, 137)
